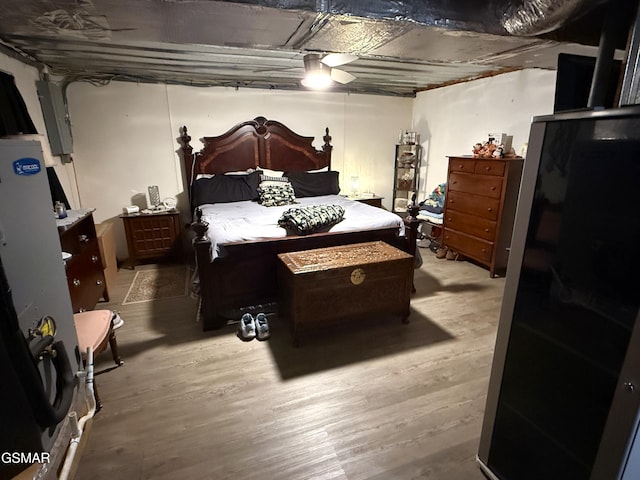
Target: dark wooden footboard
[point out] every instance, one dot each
(245, 274)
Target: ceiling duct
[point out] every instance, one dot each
(402, 46)
(500, 17)
(535, 17)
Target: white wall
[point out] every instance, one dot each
(125, 136)
(125, 133)
(25, 77)
(451, 119)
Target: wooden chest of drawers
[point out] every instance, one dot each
(329, 286)
(84, 269)
(480, 207)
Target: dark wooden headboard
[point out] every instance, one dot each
(252, 144)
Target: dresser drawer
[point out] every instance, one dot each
(484, 207)
(76, 238)
(470, 246)
(462, 165)
(490, 167)
(85, 278)
(486, 185)
(471, 224)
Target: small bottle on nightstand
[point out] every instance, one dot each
(61, 211)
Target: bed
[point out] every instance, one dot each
(237, 239)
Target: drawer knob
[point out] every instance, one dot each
(486, 230)
(484, 250)
(94, 258)
(487, 168)
(76, 282)
(493, 188)
(83, 238)
(490, 209)
(82, 309)
(454, 182)
(98, 282)
(460, 166)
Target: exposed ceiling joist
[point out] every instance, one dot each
(402, 47)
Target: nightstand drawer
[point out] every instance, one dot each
(152, 235)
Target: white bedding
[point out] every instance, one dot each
(246, 221)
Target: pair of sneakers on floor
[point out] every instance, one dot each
(250, 328)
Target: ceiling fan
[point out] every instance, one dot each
(320, 71)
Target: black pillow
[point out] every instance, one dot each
(306, 184)
(226, 188)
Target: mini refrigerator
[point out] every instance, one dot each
(564, 390)
(38, 388)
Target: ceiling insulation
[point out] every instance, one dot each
(402, 47)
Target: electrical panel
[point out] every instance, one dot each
(56, 117)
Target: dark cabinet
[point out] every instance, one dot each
(564, 393)
(84, 269)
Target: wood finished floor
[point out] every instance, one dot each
(382, 401)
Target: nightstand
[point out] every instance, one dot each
(374, 201)
(152, 235)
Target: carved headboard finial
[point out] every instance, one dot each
(187, 153)
(327, 140)
(261, 125)
(185, 138)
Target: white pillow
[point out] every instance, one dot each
(241, 172)
(271, 173)
(280, 173)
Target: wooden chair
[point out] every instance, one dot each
(94, 329)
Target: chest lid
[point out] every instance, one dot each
(341, 256)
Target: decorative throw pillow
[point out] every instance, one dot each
(275, 191)
(226, 188)
(311, 219)
(313, 184)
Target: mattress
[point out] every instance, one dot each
(249, 221)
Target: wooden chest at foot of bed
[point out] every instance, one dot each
(330, 286)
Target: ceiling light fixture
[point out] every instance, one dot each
(318, 75)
